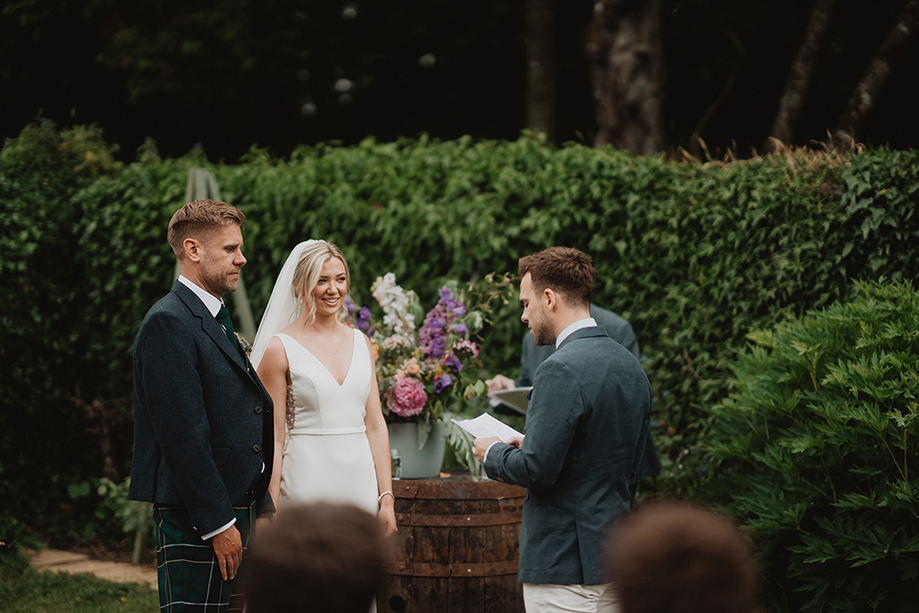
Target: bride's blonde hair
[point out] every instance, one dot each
(309, 268)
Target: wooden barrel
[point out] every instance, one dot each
(456, 548)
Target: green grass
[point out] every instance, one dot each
(24, 590)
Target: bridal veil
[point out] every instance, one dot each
(282, 308)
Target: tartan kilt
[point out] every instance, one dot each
(187, 571)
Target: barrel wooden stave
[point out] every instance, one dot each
(456, 549)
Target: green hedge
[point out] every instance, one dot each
(45, 440)
(818, 453)
(694, 255)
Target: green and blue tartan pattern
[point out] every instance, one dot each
(187, 570)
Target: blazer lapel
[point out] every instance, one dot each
(211, 327)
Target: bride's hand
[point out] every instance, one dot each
(387, 515)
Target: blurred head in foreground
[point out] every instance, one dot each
(317, 557)
(675, 557)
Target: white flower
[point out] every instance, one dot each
(396, 340)
(396, 304)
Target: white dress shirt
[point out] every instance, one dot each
(212, 303)
(587, 322)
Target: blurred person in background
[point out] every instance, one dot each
(316, 557)
(676, 557)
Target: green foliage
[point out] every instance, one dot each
(23, 590)
(40, 278)
(15, 537)
(461, 453)
(114, 514)
(692, 255)
(818, 455)
(130, 513)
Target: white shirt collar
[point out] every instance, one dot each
(587, 322)
(212, 303)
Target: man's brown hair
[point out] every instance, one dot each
(315, 557)
(676, 557)
(567, 271)
(199, 219)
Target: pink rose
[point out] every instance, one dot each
(408, 397)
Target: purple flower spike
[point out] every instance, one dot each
(453, 362)
(460, 329)
(445, 294)
(442, 383)
(436, 323)
(364, 314)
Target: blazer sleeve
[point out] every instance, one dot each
(174, 399)
(555, 409)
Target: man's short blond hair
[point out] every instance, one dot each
(199, 220)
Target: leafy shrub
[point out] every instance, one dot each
(819, 456)
(40, 427)
(115, 515)
(15, 537)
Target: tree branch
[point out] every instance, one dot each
(802, 68)
(851, 123)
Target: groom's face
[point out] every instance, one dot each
(535, 314)
(221, 259)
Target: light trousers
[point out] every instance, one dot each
(550, 598)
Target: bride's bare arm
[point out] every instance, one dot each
(273, 370)
(378, 436)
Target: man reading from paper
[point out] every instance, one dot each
(585, 428)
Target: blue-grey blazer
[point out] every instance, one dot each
(203, 434)
(618, 329)
(585, 432)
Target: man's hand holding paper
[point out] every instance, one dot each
(482, 445)
(487, 431)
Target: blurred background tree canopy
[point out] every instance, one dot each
(229, 74)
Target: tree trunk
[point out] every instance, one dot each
(542, 71)
(850, 126)
(786, 120)
(627, 73)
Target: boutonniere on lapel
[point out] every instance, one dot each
(243, 343)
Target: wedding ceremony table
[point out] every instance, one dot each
(456, 548)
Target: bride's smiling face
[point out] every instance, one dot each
(332, 287)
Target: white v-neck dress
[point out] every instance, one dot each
(327, 456)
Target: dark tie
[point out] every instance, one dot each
(223, 316)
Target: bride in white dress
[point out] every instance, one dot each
(331, 444)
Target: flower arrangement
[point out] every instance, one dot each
(421, 369)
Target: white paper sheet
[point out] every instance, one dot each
(485, 425)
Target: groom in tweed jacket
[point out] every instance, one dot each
(585, 430)
(202, 419)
